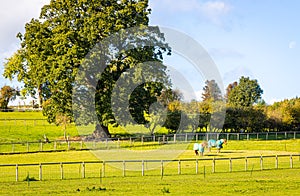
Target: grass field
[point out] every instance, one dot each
(267, 182)
(270, 181)
(275, 182)
(31, 126)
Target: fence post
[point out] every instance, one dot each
(196, 166)
(246, 163)
(174, 138)
(179, 167)
(276, 135)
(230, 165)
(40, 172)
(68, 142)
(17, 173)
(103, 169)
(83, 170)
(267, 136)
(142, 139)
(94, 143)
(238, 136)
(41, 146)
(153, 138)
(162, 168)
(61, 171)
(143, 171)
(291, 161)
(261, 163)
(186, 137)
(247, 136)
(106, 143)
(54, 146)
(285, 135)
(124, 168)
(213, 165)
(294, 135)
(227, 136)
(276, 162)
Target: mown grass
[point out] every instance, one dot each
(32, 126)
(270, 181)
(252, 182)
(275, 182)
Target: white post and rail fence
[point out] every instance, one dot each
(96, 169)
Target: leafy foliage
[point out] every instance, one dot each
(245, 94)
(7, 94)
(211, 90)
(55, 45)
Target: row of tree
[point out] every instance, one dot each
(241, 110)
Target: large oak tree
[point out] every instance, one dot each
(55, 45)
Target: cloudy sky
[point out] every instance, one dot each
(255, 38)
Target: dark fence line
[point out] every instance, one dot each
(60, 171)
(115, 143)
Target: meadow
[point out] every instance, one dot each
(229, 178)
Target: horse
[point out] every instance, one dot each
(199, 148)
(218, 144)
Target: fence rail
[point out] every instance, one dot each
(115, 168)
(116, 143)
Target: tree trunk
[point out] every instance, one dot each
(101, 131)
(40, 98)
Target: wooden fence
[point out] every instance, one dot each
(75, 170)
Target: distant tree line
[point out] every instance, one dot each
(243, 107)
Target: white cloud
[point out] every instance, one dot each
(292, 44)
(272, 101)
(214, 11)
(14, 14)
(222, 53)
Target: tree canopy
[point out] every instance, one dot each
(7, 94)
(245, 93)
(55, 45)
(212, 91)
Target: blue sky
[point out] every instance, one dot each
(255, 38)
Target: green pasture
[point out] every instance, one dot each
(269, 182)
(114, 181)
(182, 175)
(32, 126)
